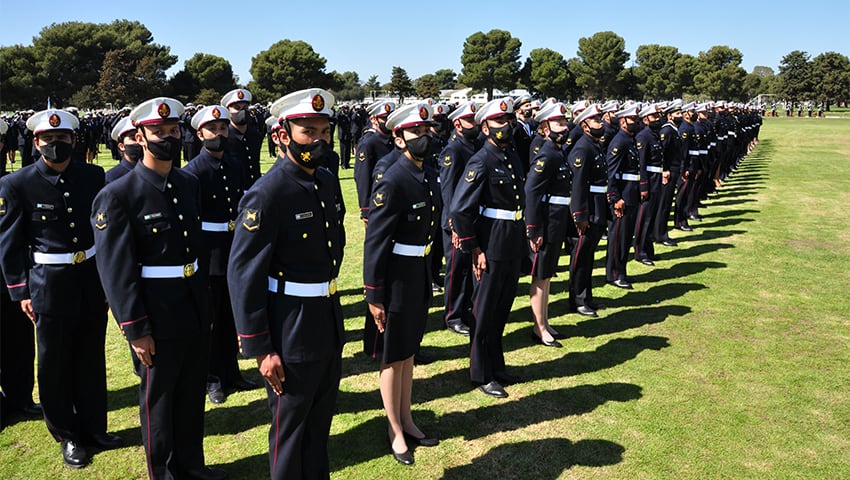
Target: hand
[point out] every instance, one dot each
(365, 222)
(582, 227)
(145, 349)
(26, 307)
(665, 177)
(619, 207)
(271, 368)
(455, 240)
(644, 196)
(479, 263)
(535, 242)
(379, 314)
(686, 175)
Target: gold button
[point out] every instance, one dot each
(214, 197)
(315, 187)
(180, 216)
(174, 200)
(334, 262)
(61, 180)
(418, 218)
(323, 204)
(185, 233)
(154, 230)
(231, 210)
(67, 194)
(501, 182)
(433, 208)
(43, 218)
(224, 177)
(517, 197)
(168, 185)
(72, 225)
(279, 274)
(228, 199)
(226, 189)
(75, 240)
(70, 209)
(327, 225)
(187, 249)
(330, 244)
(513, 176)
(304, 236)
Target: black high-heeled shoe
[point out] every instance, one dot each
(404, 458)
(553, 343)
(422, 442)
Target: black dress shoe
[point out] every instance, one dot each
(695, 217)
(459, 328)
(216, 393)
(74, 455)
(243, 384)
(421, 359)
(405, 458)
(107, 441)
(685, 227)
(670, 243)
(558, 336)
(620, 283)
(422, 442)
(33, 410)
(587, 311)
(647, 262)
(207, 473)
(553, 343)
(493, 389)
(595, 306)
(505, 378)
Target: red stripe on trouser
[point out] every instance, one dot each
(450, 273)
(637, 231)
(617, 243)
(148, 417)
(276, 434)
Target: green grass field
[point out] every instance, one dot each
(730, 359)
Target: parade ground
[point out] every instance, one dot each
(729, 359)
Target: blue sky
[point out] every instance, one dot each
(370, 37)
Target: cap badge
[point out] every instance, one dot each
(563, 109)
(472, 108)
(318, 102)
(387, 108)
(240, 95)
(54, 120)
(163, 110)
(216, 114)
(423, 113)
(503, 107)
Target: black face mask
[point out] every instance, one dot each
(134, 152)
(633, 127)
(382, 126)
(694, 117)
(56, 152)
(310, 155)
(655, 125)
(678, 121)
(419, 147)
(559, 137)
(597, 133)
(167, 150)
(239, 118)
(471, 134)
(502, 135)
(216, 144)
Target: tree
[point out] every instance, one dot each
(21, 80)
(603, 56)
(685, 71)
(400, 84)
(347, 86)
(446, 78)
(490, 61)
(372, 86)
(203, 72)
(287, 66)
(795, 82)
(129, 76)
(548, 74)
(426, 86)
(656, 71)
(719, 73)
(832, 70)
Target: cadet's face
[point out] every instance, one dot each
(675, 116)
(464, 122)
(212, 129)
(237, 107)
(651, 118)
(307, 130)
(128, 140)
(626, 121)
(157, 132)
(412, 133)
(54, 136)
(524, 113)
(557, 125)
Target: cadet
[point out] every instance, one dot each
(624, 195)
(486, 215)
(522, 130)
(148, 235)
(548, 223)
(44, 210)
(124, 135)
(282, 274)
(671, 145)
(372, 147)
(690, 162)
(650, 154)
(221, 182)
(243, 139)
(396, 268)
(575, 130)
(343, 121)
(703, 133)
(588, 205)
(463, 143)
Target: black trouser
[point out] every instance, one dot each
(171, 407)
(662, 218)
(680, 212)
(345, 154)
(581, 265)
(437, 259)
(72, 372)
(648, 210)
(301, 419)
(492, 301)
(458, 289)
(620, 234)
(17, 352)
(224, 346)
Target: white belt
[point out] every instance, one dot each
(63, 258)
(722, 138)
(693, 152)
(499, 214)
(712, 144)
(733, 134)
(170, 271)
(631, 177)
(218, 226)
(406, 250)
(650, 168)
(703, 152)
(557, 200)
(295, 289)
(598, 189)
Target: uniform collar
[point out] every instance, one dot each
(50, 174)
(297, 173)
(407, 164)
(148, 175)
(127, 164)
(207, 156)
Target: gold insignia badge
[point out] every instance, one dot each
(499, 135)
(251, 220)
(305, 156)
(470, 176)
(2, 206)
(54, 120)
(362, 156)
(615, 150)
(189, 270)
(100, 220)
(216, 113)
(318, 102)
(163, 110)
(423, 113)
(231, 225)
(240, 94)
(577, 162)
(447, 161)
(662, 137)
(378, 199)
(541, 163)
(639, 145)
(79, 257)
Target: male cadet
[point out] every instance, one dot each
(624, 195)
(124, 135)
(191, 143)
(243, 139)
(282, 274)
(650, 154)
(374, 144)
(588, 205)
(690, 163)
(153, 264)
(343, 122)
(575, 130)
(462, 145)
(609, 121)
(522, 131)
(671, 146)
(703, 135)
(487, 218)
(44, 210)
(220, 180)
(548, 223)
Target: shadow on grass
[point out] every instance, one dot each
(123, 397)
(695, 250)
(725, 222)
(225, 420)
(539, 459)
(623, 320)
(246, 468)
(734, 212)
(737, 201)
(678, 270)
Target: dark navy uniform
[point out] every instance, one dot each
(118, 171)
(221, 189)
(690, 162)
(458, 284)
(246, 150)
(671, 146)
(588, 203)
(491, 187)
(522, 142)
(371, 148)
(651, 155)
(284, 262)
(46, 252)
(547, 206)
(397, 254)
(623, 183)
(17, 353)
(152, 261)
